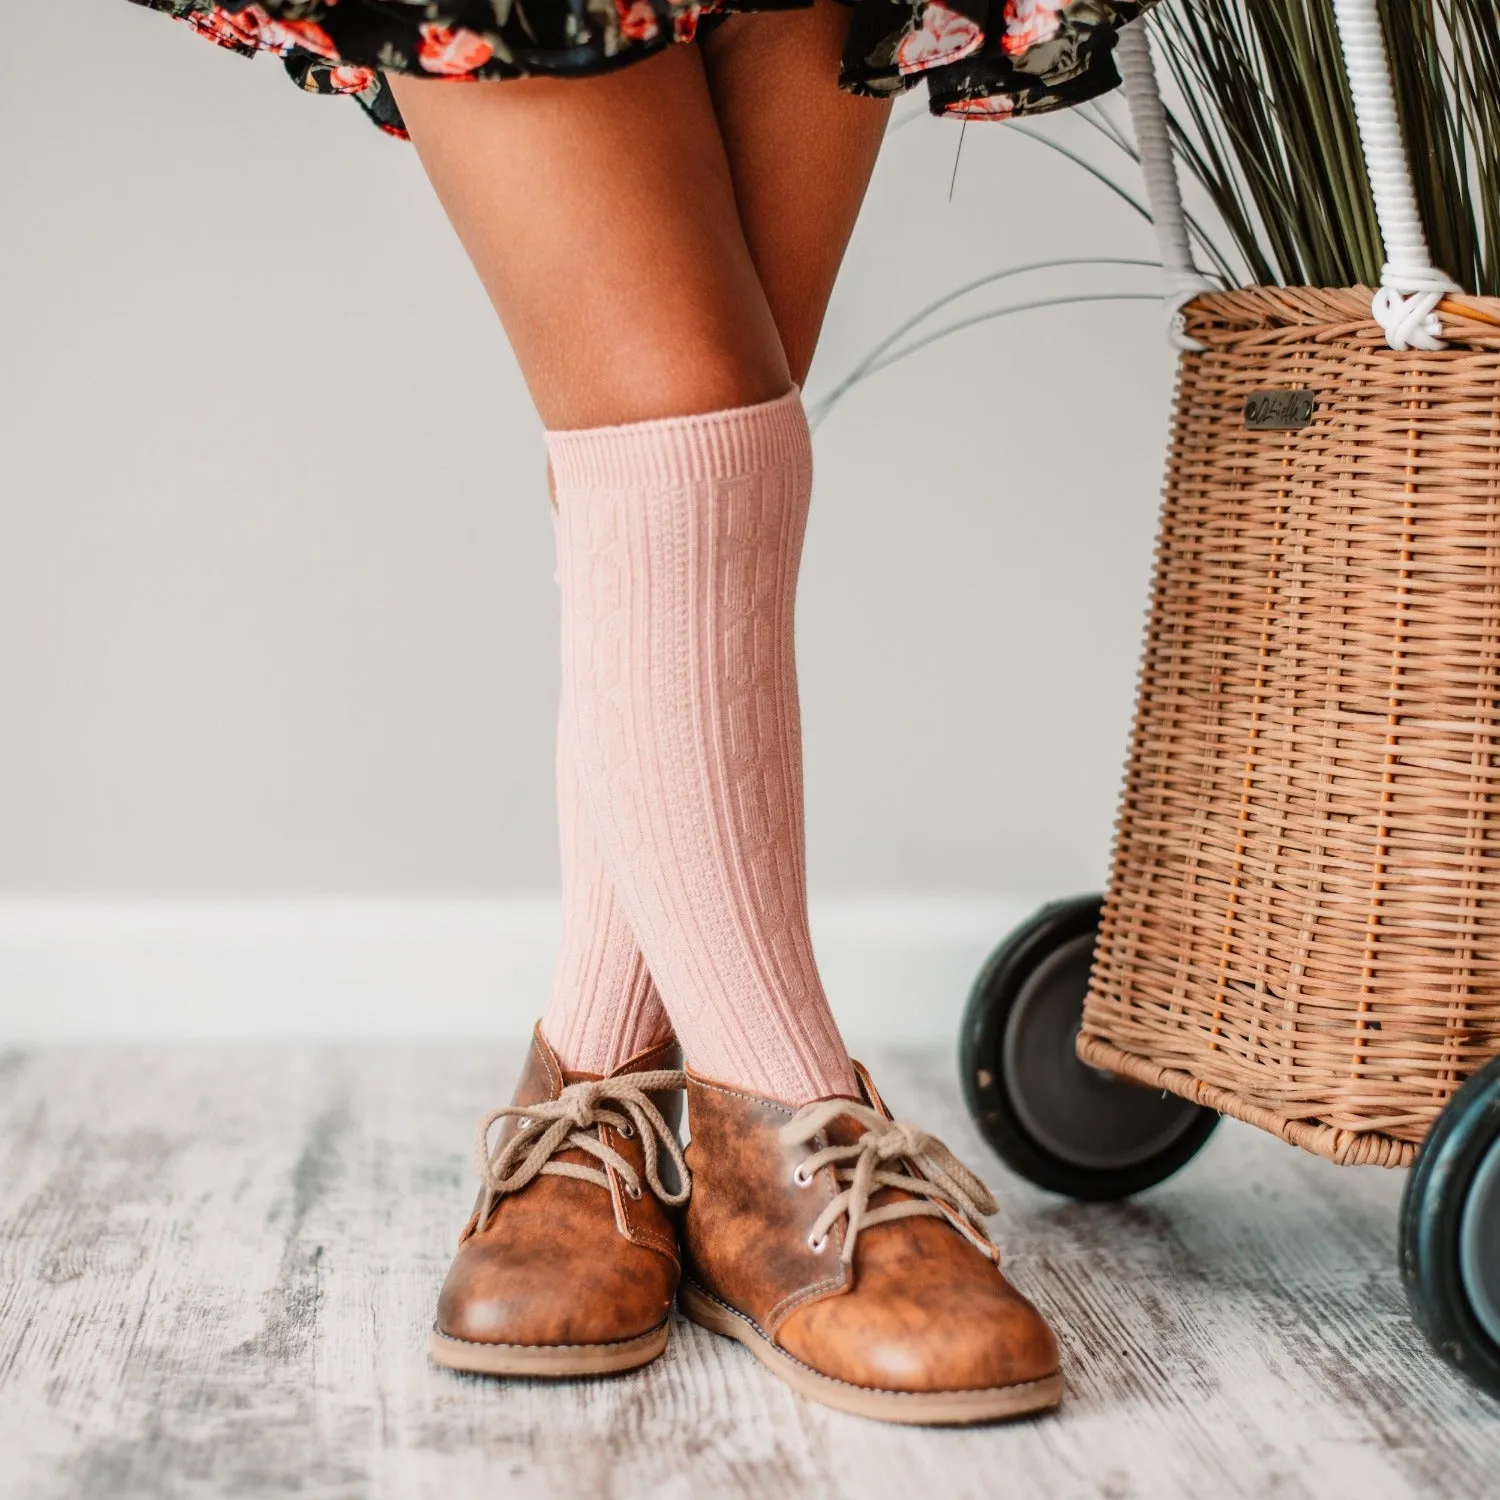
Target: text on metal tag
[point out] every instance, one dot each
(1267, 411)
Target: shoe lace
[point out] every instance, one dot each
(570, 1122)
(890, 1154)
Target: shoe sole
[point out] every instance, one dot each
(917, 1408)
(546, 1361)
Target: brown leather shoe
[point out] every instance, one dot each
(568, 1263)
(843, 1250)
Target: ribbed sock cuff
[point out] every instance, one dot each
(672, 450)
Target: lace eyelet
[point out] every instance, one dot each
(801, 1176)
(817, 1246)
(626, 1132)
(634, 1192)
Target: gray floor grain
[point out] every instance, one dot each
(217, 1269)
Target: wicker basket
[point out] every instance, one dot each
(1303, 921)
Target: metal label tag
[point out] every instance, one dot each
(1279, 411)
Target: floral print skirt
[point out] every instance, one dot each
(988, 59)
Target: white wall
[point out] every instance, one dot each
(276, 609)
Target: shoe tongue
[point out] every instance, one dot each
(664, 1056)
(843, 1130)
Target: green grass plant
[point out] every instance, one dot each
(1265, 124)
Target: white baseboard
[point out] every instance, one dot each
(898, 968)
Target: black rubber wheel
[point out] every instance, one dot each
(1450, 1232)
(1063, 1125)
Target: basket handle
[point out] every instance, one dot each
(1411, 287)
(1148, 119)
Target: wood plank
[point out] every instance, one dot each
(217, 1269)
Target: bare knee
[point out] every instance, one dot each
(601, 217)
(653, 370)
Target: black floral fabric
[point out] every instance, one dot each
(987, 59)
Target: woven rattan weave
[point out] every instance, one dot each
(1303, 921)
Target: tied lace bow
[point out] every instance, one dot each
(942, 1187)
(571, 1122)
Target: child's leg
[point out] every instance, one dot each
(603, 219)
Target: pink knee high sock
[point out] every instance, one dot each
(678, 547)
(604, 1007)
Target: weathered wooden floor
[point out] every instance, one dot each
(217, 1270)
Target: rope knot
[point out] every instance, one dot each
(1406, 306)
(578, 1102)
(903, 1139)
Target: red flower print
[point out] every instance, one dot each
(685, 24)
(252, 27)
(637, 20)
(1029, 23)
(987, 107)
(943, 37)
(255, 26)
(452, 49)
(348, 79)
(224, 27)
(308, 35)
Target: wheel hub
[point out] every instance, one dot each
(1087, 1116)
(1479, 1244)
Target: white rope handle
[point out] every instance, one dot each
(1148, 118)
(1410, 286)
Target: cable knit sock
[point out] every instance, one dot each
(604, 1006)
(678, 547)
